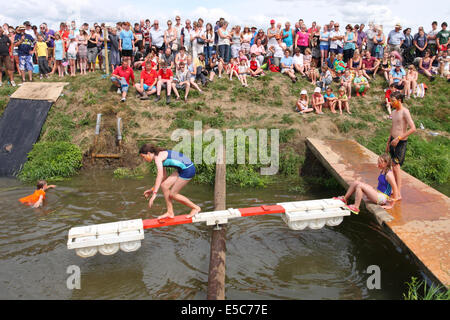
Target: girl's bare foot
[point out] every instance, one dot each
(193, 212)
(166, 215)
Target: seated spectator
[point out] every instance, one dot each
(147, 85)
(361, 83)
(192, 74)
(259, 50)
(339, 65)
(233, 68)
(200, 71)
(165, 79)
(181, 81)
(397, 76)
(411, 81)
(370, 65)
(346, 83)
(325, 78)
(255, 68)
(243, 71)
(307, 58)
(342, 101)
(387, 97)
(330, 100)
(317, 101)
(215, 66)
(287, 66)
(181, 56)
(425, 66)
(139, 58)
(386, 65)
(444, 60)
(121, 77)
(168, 58)
(298, 62)
(355, 63)
(302, 105)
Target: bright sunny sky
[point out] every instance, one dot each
(410, 13)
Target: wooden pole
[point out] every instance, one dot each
(216, 277)
(106, 52)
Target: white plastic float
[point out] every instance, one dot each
(108, 238)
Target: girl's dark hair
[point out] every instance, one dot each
(40, 184)
(146, 148)
(398, 95)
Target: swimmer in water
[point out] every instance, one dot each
(170, 185)
(37, 198)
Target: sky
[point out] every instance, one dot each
(409, 13)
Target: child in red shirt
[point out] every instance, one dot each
(387, 97)
(147, 85)
(165, 78)
(121, 78)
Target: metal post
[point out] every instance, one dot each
(216, 277)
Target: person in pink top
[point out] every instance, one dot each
(302, 39)
(121, 78)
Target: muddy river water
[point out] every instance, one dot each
(265, 259)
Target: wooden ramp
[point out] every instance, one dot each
(49, 91)
(421, 220)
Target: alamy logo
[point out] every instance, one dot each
(74, 280)
(374, 280)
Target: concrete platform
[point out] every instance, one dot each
(421, 220)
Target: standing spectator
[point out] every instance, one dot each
(224, 42)
(25, 50)
(349, 43)
(178, 27)
(6, 60)
(431, 38)
(246, 38)
(395, 38)
(49, 37)
(114, 53)
(209, 43)
(420, 42)
(442, 38)
(271, 33)
(146, 34)
(82, 50)
(185, 37)
(287, 34)
(121, 77)
(197, 40)
(379, 42)
(126, 43)
(92, 50)
(235, 41)
(170, 37)
(254, 32)
(29, 30)
(336, 40)
(302, 39)
(100, 46)
(157, 35)
(361, 41)
(138, 38)
(324, 44)
(59, 54)
(371, 33)
(408, 47)
(72, 50)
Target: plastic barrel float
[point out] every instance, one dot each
(108, 238)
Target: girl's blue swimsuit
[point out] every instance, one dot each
(383, 185)
(184, 165)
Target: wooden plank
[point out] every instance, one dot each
(49, 91)
(420, 221)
